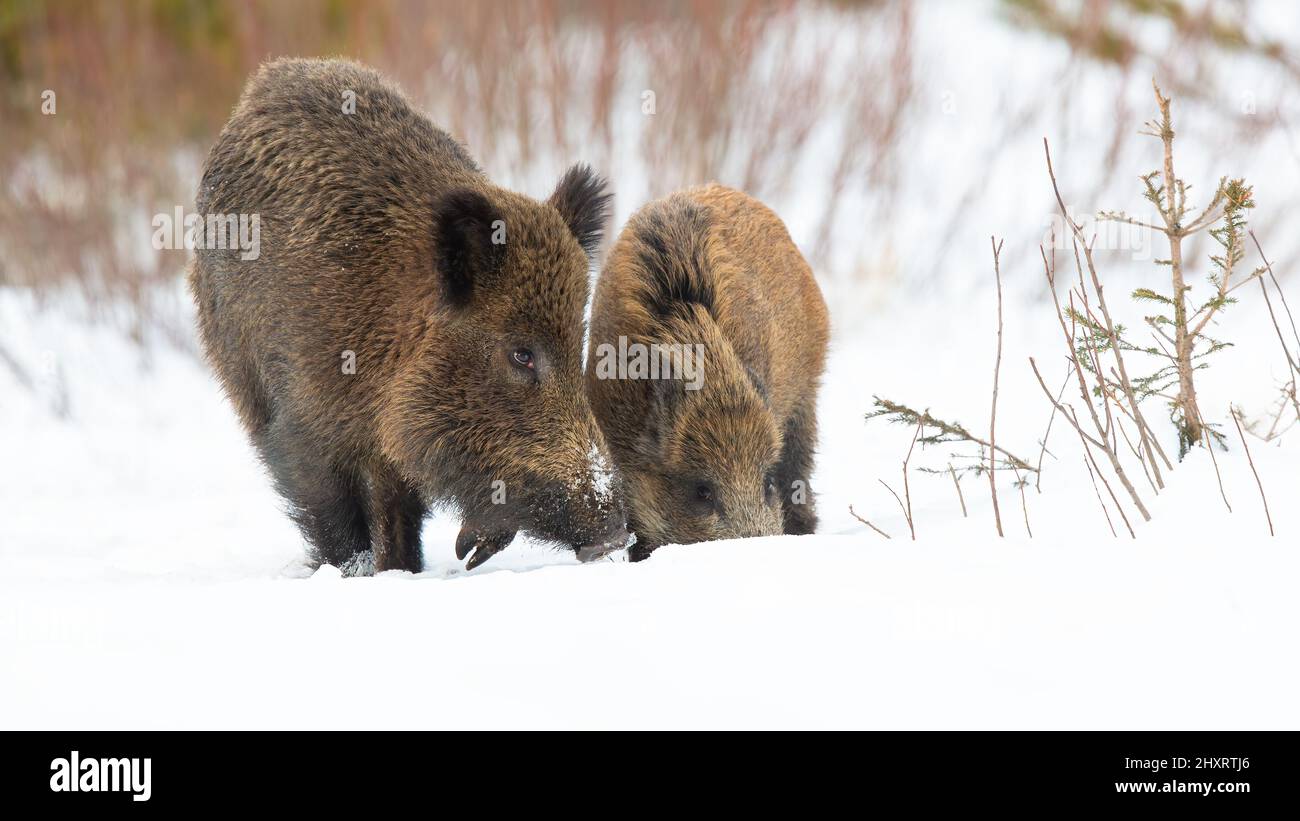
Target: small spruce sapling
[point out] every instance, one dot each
(1182, 345)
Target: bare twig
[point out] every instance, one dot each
(1214, 460)
(1024, 505)
(1087, 463)
(1106, 444)
(1125, 218)
(903, 413)
(907, 485)
(1136, 450)
(957, 484)
(1281, 406)
(1096, 470)
(1290, 360)
(1112, 335)
(1074, 423)
(1281, 294)
(997, 367)
(868, 524)
(1107, 448)
(1038, 480)
(1090, 345)
(1262, 497)
(906, 507)
(907, 514)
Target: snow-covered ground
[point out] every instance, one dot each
(151, 581)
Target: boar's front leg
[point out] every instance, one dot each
(640, 551)
(485, 543)
(397, 514)
(799, 513)
(643, 545)
(326, 496)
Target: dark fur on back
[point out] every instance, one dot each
(715, 268)
(379, 247)
(673, 256)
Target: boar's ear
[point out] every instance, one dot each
(665, 397)
(760, 387)
(583, 202)
(468, 242)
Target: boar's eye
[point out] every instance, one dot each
(700, 496)
(704, 492)
(769, 487)
(523, 358)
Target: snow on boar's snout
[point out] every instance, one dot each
(570, 497)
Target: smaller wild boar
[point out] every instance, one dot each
(410, 334)
(721, 447)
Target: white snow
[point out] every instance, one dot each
(151, 581)
(600, 475)
(832, 631)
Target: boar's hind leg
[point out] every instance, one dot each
(793, 472)
(326, 498)
(397, 513)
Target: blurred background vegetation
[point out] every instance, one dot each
(757, 94)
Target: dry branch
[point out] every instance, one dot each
(1290, 390)
(1024, 505)
(1148, 437)
(868, 524)
(1214, 460)
(957, 484)
(1105, 442)
(1260, 484)
(907, 512)
(993, 414)
(947, 431)
(1087, 463)
(1096, 471)
(1038, 480)
(1108, 448)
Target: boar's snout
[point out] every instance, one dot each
(587, 517)
(756, 520)
(597, 521)
(617, 539)
(598, 525)
(591, 525)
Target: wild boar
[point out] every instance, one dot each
(410, 334)
(722, 447)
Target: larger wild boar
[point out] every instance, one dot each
(721, 447)
(411, 334)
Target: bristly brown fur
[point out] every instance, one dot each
(673, 256)
(378, 241)
(715, 267)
